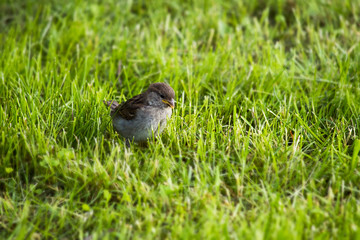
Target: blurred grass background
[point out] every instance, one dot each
(263, 144)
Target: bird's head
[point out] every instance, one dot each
(160, 95)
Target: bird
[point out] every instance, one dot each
(143, 115)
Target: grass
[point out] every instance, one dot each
(263, 144)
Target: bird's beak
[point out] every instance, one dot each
(171, 103)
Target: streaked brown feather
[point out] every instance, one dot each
(127, 109)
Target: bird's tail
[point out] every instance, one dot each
(112, 104)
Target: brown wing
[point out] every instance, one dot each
(127, 110)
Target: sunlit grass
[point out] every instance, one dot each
(263, 143)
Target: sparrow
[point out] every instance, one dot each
(138, 118)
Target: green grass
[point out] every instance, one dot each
(263, 144)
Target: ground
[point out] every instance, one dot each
(263, 143)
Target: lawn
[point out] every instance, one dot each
(263, 143)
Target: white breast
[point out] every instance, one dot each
(148, 121)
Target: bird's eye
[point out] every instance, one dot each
(162, 96)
